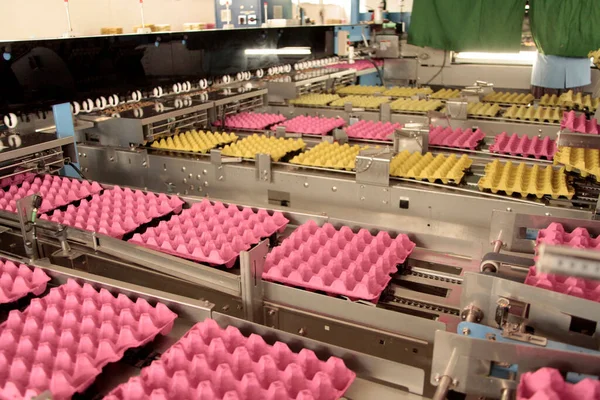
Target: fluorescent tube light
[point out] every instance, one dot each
(520, 58)
(285, 51)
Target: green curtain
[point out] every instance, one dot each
(467, 25)
(568, 28)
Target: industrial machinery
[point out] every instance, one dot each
(402, 229)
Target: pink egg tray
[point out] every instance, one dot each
(341, 262)
(17, 179)
(117, 211)
(62, 341)
(311, 125)
(18, 280)
(579, 123)
(209, 362)
(211, 233)
(372, 130)
(548, 384)
(445, 136)
(56, 191)
(555, 234)
(250, 120)
(524, 146)
(358, 65)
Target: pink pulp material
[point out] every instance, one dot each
(579, 124)
(62, 341)
(357, 65)
(548, 384)
(524, 146)
(17, 179)
(341, 262)
(117, 211)
(18, 280)
(458, 138)
(555, 234)
(209, 362)
(372, 130)
(311, 125)
(250, 120)
(56, 191)
(212, 233)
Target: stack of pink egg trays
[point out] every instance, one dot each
(548, 384)
(311, 125)
(211, 233)
(61, 342)
(18, 280)
(56, 191)
(579, 124)
(251, 120)
(372, 130)
(17, 179)
(580, 238)
(339, 262)
(209, 362)
(357, 65)
(117, 211)
(524, 146)
(457, 138)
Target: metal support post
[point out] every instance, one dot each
(443, 388)
(263, 167)
(27, 209)
(251, 268)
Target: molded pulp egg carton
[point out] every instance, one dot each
(358, 65)
(415, 105)
(211, 233)
(314, 99)
(250, 146)
(117, 211)
(427, 167)
(402, 91)
(62, 341)
(580, 238)
(361, 101)
(18, 280)
(195, 141)
(211, 363)
(372, 130)
(579, 124)
(445, 94)
(524, 146)
(511, 98)
(56, 192)
(548, 384)
(584, 161)
(572, 101)
(337, 261)
(541, 114)
(483, 109)
(251, 120)
(457, 138)
(525, 180)
(17, 179)
(361, 90)
(330, 155)
(311, 125)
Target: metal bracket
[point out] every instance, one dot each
(272, 317)
(568, 261)
(573, 139)
(348, 107)
(263, 167)
(251, 268)
(27, 209)
(457, 109)
(217, 163)
(413, 137)
(340, 136)
(385, 112)
(280, 132)
(373, 166)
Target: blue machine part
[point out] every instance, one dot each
(371, 79)
(355, 33)
(63, 119)
(485, 332)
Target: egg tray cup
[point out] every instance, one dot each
(19, 280)
(586, 162)
(549, 384)
(524, 146)
(466, 139)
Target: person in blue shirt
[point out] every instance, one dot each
(555, 75)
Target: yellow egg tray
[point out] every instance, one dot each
(314, 99)
(429, 167)
(404, 91)
(364, 90)
(250, 146)
(445, 94)
(194, 141)
(509, 98)
(416, 105)
(596, 56)
(483, 109)
(583, 161)
(526, 180)
(361, 101)
(330, 155)
(569, 100)
(542, 114)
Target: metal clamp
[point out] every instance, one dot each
(263, 167)
(27, 209)
(412, 137)
(251, 269)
